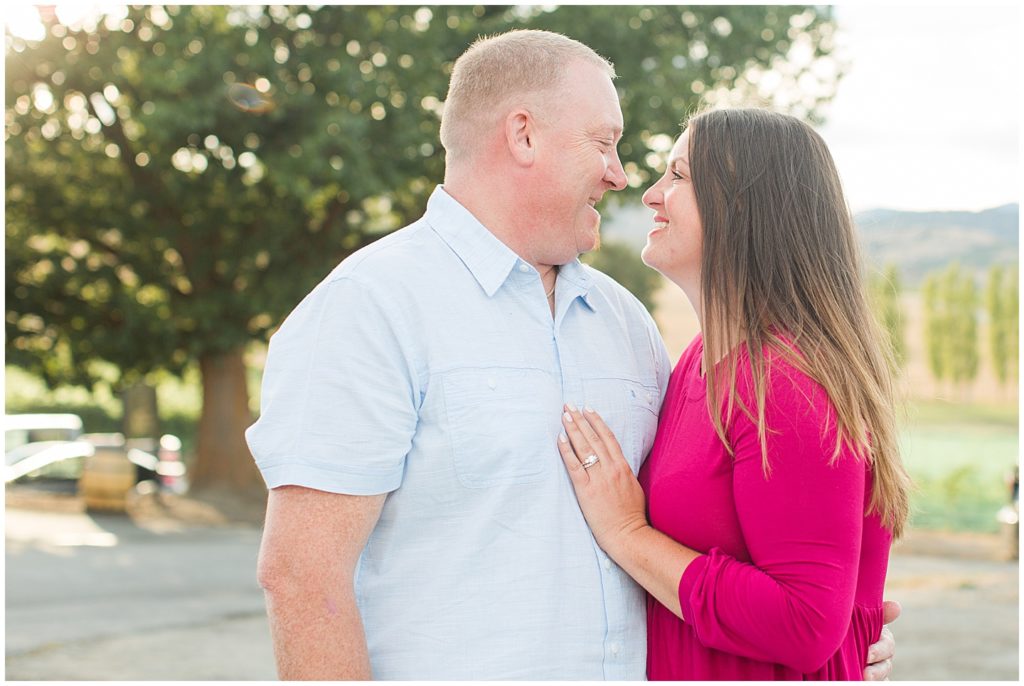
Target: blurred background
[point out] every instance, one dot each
(178, 177)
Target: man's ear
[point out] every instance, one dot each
(520, 132)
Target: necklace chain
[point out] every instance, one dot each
(552, 291)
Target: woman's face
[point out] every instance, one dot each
(674, 245)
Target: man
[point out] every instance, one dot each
(420, 524)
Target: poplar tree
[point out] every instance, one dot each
(936, 327)
(966, 352)
(885, 298)
(998, 338)
(1012, 323)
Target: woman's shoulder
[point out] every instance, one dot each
(788, 383)
(798, 412)
(689, 363)
(694, 351)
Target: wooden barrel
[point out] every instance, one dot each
(107, 478)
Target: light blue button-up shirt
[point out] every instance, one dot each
(428, 366)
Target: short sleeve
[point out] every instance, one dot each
(338, 406)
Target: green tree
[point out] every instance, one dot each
(998, 318)
(967, 356)
(959, 293)
(1012, 322)
(178, 177)
(885, 292)
(951, 325)
(936, 329)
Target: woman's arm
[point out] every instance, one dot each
(802, 526)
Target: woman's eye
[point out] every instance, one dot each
(676, 175)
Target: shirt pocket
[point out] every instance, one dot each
(630, 409)
(502, 423)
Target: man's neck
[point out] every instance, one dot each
(495, 211)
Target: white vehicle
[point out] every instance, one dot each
(52, 447)
(45, 446)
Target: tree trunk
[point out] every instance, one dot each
(140, 419)
(224, 464)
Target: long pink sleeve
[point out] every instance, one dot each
(791, 604)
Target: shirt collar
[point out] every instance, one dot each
(487, 258)
(580, 279)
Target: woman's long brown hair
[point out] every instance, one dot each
(780, 271)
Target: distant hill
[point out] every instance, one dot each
(917, 242)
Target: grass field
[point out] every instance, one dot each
(960, 456)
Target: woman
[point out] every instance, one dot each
(775, 487)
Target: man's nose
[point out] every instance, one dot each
(616, 175)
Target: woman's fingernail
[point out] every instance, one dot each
(567, 417)
(572, 408)
(562, 438)
(589, 409)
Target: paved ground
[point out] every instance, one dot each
(115, 598)
(99, 598)
(960, 617)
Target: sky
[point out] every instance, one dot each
(927, 116)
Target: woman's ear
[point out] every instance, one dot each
(520, 130)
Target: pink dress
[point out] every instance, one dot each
(789, 585)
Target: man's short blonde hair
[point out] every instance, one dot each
(495, 70)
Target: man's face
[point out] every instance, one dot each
(579, 162)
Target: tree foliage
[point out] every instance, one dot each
(951, 325)
(179, 177)
(1001, 302)
(935, 327)
(995, 306)
(1012, 322)
(885, 290)
(962, 294)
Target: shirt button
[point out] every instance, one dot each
(523, 268)
(650, 398)
(607, 564)
(614, 647)
(492, 384)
